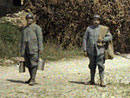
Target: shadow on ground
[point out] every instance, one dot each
(16, 81)
(83, 83)
(20, 82)
(77, 82)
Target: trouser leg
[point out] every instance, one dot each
(33, 58)
(27, 63)
(92, 67)
(34, 65)
(33, 73)
(101, 67)
(92, 73)
(30, 73)
(101, 75)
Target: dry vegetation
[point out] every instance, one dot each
(66, 21)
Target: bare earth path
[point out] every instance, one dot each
(64, 79)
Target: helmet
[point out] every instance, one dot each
(29, 16)
(96, 16)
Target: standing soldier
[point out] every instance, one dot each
(94, 48)
(31, 47)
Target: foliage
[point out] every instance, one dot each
(9, 40)
(65, 22)
(52, 52)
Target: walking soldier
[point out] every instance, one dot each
(94, 47)
(31, 47)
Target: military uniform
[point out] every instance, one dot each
(31, 44)
(95, 50)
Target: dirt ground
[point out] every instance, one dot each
(65, 79)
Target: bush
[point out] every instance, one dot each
(10, 36)
(53, 52)
(65, 22)
(10, 41)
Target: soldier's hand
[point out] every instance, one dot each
(85, 53)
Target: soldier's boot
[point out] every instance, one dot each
(33, 72)
(92, 81)
(28, 81)
(102, 83)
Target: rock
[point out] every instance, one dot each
(16, 18)
(117, 53)
(17, 59)
(8, 62)
(127, 56)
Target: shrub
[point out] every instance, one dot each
(65, 22)
(9, 40)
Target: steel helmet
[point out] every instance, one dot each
(96, 16)
(29, 16)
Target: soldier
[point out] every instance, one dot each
(31, 47)
(94, 48)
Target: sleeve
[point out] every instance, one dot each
(40, 38)
(85, 39)
(108, 37)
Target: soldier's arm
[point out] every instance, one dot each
(108, 37)
(85, 38)
(40, 38)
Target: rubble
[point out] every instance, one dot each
(16, 18)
